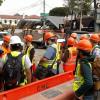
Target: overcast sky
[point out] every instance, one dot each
(29, 7)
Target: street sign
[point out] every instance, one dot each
(44, 14)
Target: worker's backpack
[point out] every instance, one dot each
(13, 70)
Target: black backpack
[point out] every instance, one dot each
(13, 71)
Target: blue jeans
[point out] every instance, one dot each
(90, 97)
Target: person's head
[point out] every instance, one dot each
(70, 42)
(15, 43)
(6, 40)
(50, 38)
(83, 36)
(94, 38)
(74, 35)
(28, 38)
(84, 47)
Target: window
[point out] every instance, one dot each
(10, 21)
(15, 21)
(5, 21)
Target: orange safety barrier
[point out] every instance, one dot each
(36, 87)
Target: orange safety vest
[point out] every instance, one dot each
(76, 42)
(70, 64)
(6, 50)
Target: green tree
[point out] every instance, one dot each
(59, 11)
(77, 5)
(1, 1)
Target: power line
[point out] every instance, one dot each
(32, 5)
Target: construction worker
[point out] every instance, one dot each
(74, 35)
(48, 63)
(69, 57)
(16, 60)
(1, 75)
(30, 51)
(83, 83)
(94, 38)
(83, 36)
(5, 44)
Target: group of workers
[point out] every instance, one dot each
(17, 63)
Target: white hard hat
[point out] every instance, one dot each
(15, 40)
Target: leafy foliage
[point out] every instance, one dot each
(78, 5)
(1, 1)
(59, 11)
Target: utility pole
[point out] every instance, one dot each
(44, 22)
(97, 15)
(44, 14)
(81, 8)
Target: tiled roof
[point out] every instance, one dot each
(19, 17)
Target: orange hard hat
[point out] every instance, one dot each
(28, 38)
(74, 35)
(6, 38)
(84, 45)
(71, 41)
(48, 35)
(95, 37)
(83, 36)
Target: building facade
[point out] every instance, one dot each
(14, 19)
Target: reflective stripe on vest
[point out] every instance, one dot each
(58, 51)
(50, 62)
(28, 50)
(28, 53)
(79, 79)
(71, 62)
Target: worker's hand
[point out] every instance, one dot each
(78, 98)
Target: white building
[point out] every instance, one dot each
(13, 20)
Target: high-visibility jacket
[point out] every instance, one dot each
(15, 54)
(27, 52)
(50, 62)
(59, 53)
(70, 64)
(79, 79)
(5, 50)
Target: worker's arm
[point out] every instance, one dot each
(88, 83)
(65, 56)
(28, 75)
(32, 52)
(49, 54)
(28, 65)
